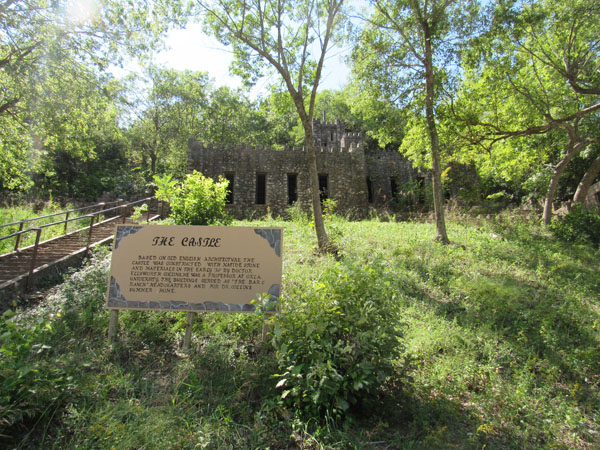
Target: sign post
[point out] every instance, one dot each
(193, 268)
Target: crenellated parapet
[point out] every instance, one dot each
(271, 179)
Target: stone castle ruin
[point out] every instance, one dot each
(265, 179)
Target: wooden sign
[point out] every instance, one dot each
(194, 268)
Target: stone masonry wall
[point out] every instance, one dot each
(341, 163)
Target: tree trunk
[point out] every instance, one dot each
(311, 159)
(559, 169)
(587, 180)
(153, 159)
(438, 198)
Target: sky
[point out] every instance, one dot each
(191, 49)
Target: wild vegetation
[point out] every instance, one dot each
(14, 214)
(400, 343)
(396, 341)
(507, 91)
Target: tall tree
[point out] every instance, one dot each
(291, 38)
(232, 119)
(169, 110)
(405, 55)
(538, 75)
(43, 42)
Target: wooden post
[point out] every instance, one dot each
(89, 241)
(33, 259)
(113, 325)
(191, 316)
(66, 223)
(19, 237)
(124, 210)
(100, 208)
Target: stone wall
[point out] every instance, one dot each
(342, 164)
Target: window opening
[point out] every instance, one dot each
(394, 187)
(231, 178)
(323, 187)
(261, 188)
(292, 188)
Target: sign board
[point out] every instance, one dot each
(194, 268)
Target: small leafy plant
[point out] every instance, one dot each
(336, 342)
(581, 225)
(138, 211)
(198, 200)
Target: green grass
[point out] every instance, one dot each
(501, 349)
(18, 213)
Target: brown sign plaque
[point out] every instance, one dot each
(194, 268)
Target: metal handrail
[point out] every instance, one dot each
(121, 208)
(16, 233)
(33, 219)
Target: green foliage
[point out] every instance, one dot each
(38, 370)
(336, 340)
(500, 349)
(329, 207)
(198, 200)
(28, 211)
(412, 196)
(138, 211)
(298, 215)
(581, 225)
(524, 120)
(30, 384)
(53, 88)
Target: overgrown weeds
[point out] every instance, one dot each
(17, 213)
(500, 348)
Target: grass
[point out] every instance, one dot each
(501, 349)
(17, 213)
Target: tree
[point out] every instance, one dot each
(537, 75)
(232, 119)
(405, 56)
(170, 109)
(282, 36)
(73, 118)
(333, 105)
(43, 42)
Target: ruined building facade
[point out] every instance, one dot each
(265, 179)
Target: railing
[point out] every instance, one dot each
(121, 211)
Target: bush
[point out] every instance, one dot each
(198, 200)
(336, 343)
(581, 225)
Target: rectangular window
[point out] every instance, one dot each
(231, 178)
(292, 180)
(323, 187)
(394, 187)
(370, 190)
(261, 188)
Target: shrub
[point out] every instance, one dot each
(336, 343)
(297, 214)
(33, 378)
(198, 200)
(329, 207)
(581, 224)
